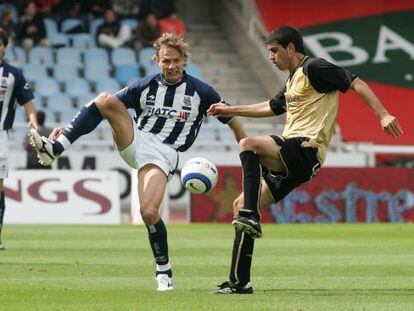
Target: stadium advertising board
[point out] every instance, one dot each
(69, 197)
(336, 195)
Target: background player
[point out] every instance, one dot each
(310, 100)
(170, 108)
(13, 87)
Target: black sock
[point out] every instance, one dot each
(84, 122)
(2, 210)
(157, 235)
(241, 259)
(252, 172)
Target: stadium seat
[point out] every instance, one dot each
(151, 69)
(58, 39)
(72, 23)
(60, 106)
(96, 56)
(46, 87)
(41, 55)
(107, 85)
(33, 72)
(131, 23)
(96, 72)
(15, 55)
(126, 73)
(82, 41)
(93, 26)
(69, 56)
(145, 55)
(50, 25)
(65, 72)
(77, 87)
(57, 100)
(83, 99)
(123, 56)
(194, 70)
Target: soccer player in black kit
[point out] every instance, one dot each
(275, 165)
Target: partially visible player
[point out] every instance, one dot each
(170, 108)
(310, 101)
(13, 87)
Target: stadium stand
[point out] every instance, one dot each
(74, 70)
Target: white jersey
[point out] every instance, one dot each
(13, 89)
(173, 112)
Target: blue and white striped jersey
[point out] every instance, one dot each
(13, 87)
(173, 112)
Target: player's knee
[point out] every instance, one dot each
(149, 213)
(104, 101)
(246, 143)
(237, 205)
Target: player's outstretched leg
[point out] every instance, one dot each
(85, 121)
(43, 146)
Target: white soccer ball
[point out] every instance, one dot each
(199, 175)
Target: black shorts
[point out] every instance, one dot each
(301, 165)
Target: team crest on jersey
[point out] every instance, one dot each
(187, 100)
(150, 100)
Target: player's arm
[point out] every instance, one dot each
(388, 122)
(237, 128)
(31, 114)
(259, 110)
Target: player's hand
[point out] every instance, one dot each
(56, 132)
(391, 126)
(218, 109)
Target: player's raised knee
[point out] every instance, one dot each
(247, 143)
(104, 100)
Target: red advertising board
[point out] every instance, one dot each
(382, 194)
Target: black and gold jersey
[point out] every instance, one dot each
(310, 100)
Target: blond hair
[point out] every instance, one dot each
(172, 40)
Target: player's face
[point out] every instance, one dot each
(278, 55)
(171, 63)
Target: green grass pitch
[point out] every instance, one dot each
(295, 267)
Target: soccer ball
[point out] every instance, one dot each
(199, 175)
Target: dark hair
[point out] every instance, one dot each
(4, 37)
(41, 117)
(285, 35)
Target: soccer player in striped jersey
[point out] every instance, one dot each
(310, 101)
(170, 108)
(13, 90)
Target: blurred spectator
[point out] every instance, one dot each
(7, 22)
(44, 6)
(95, 8)
(32, 161)
(173, 24)
(111, 34)
(32, 30)
(147, 32)
(161, 8)
(62, 9)
(127, 8)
